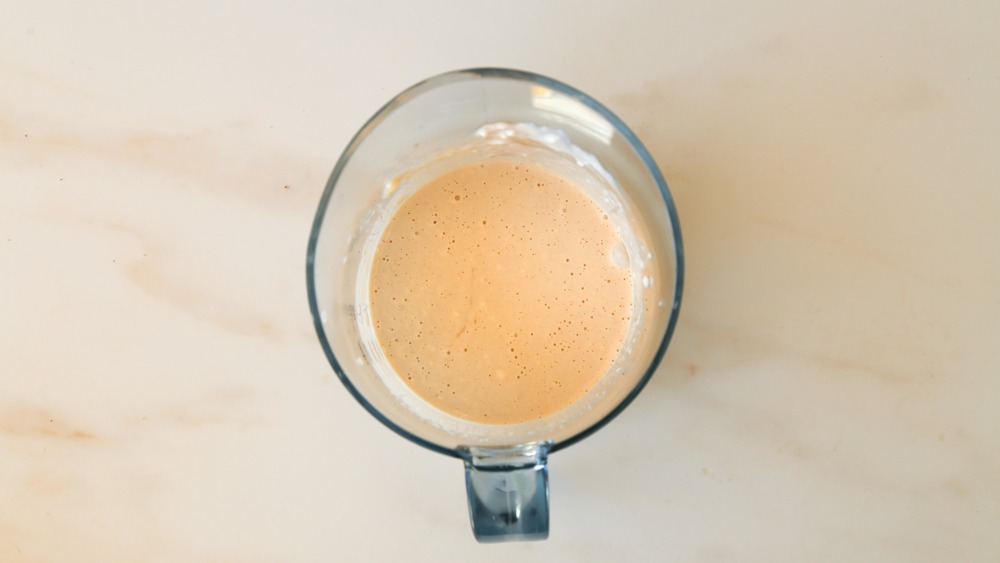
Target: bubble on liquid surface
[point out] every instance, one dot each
(647, 281)
(619, 255)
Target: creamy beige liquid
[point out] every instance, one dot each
(494, 295)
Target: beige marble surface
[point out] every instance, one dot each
(832, 393)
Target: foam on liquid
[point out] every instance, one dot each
(495, 295)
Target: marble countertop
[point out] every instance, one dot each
(831, 393)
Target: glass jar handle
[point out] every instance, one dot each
(508, 491)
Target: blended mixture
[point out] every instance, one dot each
(494, 295)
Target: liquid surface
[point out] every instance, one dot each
(494, 294)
